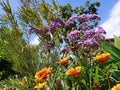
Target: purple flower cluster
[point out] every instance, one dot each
(91, 38)
(97, 34)
(83, 26)
(93, 16)
(70, 21)
(73, 35)
(83, 18)
(51, 28)
(91, 42)
(58, 22)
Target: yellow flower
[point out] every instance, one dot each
(43, 74)
(41, 86)
(74, 72)
(102, 58)
(116, 87)
(64, 61)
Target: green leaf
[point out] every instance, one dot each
(115, 52)
(54, 5)
(117, 42)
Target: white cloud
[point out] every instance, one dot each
(112, 24)
(35, 41)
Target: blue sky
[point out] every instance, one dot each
(109, 12)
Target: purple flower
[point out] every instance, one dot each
(57, 23)
(73, 35)
(93, 16)
(101, 30)
(60, 21)
(83, 26)
(89, 33)
(90, 42)
(99, 34)
(82, 17)
(99, 37)
(70, 21)
(80, 42)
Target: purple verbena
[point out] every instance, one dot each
(83, 26)
(93, 16)
(60, 21)
(82, 17)
(73, 35)
(70, 21)
(90, 42)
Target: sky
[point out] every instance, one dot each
(109, 12)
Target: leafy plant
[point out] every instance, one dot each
(66, 56)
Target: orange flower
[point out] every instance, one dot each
(43, 74)
(41, 86)
(74, 71)
(102, 58)
(116, 87)
(64, 61)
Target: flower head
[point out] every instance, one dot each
(59, 20)
(43, 74)
(83, 26)
(73, 35)
(93, 16)
(102, 58)
(41, 86)
(83, 17)
(116, 87)
(64, 61)
(74, 72)
(70, 21)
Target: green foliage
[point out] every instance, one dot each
(17, 84)
(24, 57)
(114, 63)
(88, 8)
(27, 59)
(115, 52)
(18, 52)
(6, 69)
(40, 12)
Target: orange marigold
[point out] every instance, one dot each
(43, 74)
(116, 87)
(64, 61)
(102, 58)
(74, 72)
(41, 86)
